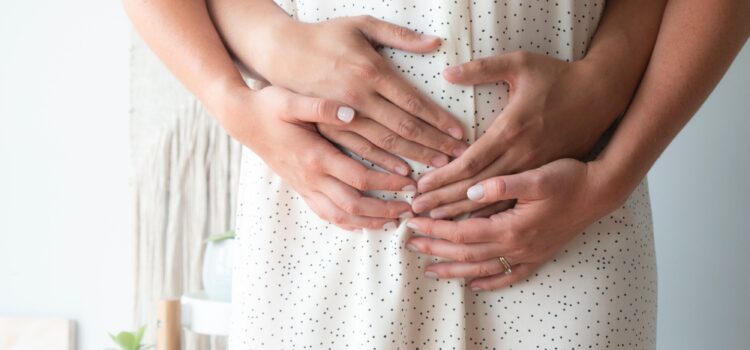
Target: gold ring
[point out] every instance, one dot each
(506, 265)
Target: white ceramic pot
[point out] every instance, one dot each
(217, 270)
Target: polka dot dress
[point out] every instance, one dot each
(302, 283)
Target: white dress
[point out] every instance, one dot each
(302, 283)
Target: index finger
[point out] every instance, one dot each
(477, 157)
(475, 230)
(403, 94)
(353, 173)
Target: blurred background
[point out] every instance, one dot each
(66, 235)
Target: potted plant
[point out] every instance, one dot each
(217, 266)
(130, 340)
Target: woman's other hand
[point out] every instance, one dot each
(337, 60)
(555, 203)
(279, 126)
(556, 110)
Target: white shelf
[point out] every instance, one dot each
(205, 316)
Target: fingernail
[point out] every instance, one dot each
(402, 170)
(418, 206)
(412, 225)
(438, 214)
(455, 70)
(459, 151)
(428, 37)
(430, 274)
(390, 226)
(345, 114)
(475, 192)
(476, 289)
(406, 215)
(409, 188)
(412, 248)
(424, 183)
(439, 161)
(456, 133)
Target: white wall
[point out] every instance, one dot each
(700, 190)
(65, 239)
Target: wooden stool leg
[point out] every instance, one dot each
(168, 325)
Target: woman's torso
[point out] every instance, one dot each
(302, 283)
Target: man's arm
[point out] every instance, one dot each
(697, 42)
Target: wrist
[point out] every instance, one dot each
(227, 99)
(612, 185)
(612, 83)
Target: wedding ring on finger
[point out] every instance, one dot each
(506, 265)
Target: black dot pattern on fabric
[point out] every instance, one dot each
(302, 283)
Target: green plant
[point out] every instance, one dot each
(215, 238)
(130, 340)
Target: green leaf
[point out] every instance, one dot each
(139, 335)
(221, 236)
(125, 340)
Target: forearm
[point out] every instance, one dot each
(183, 36)
(697, 42)
(244, 25)
(620, 49)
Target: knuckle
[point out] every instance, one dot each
(351, 96)
(389, 141)
(523, 249)
(521, 58)
(337, 218)
(364, 19)
(352, 207)
(483, 270)
(365, 150)
(368, 71)
(457, 237)
(538, 180)
(466, 255)
(414, 104)
(401, 32)
(409, 129)
(359, 182)
(311, 160)
(321, 107)
(529, 157)
(481, 65)
(470, 166)
(512, 131)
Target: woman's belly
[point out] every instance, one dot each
(470, 30)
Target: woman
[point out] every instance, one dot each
(304, 283)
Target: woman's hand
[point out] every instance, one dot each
(556, 110)
(278, 125)
(554, 204)
(337, 60)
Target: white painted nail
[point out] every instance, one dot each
(475, 192)
(345, 114)
(430, 274)
(390, 226)
(412, 248)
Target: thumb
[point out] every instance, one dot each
(482, 71)
(525, 185)
(398, 37)
(316, 110)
